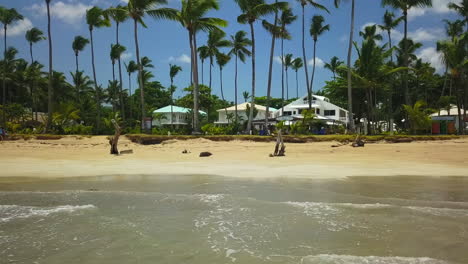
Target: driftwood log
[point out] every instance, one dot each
(358, 142)
(280, 148)
(114, 141)
(205, 154)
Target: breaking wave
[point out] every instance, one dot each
(341, 259)
(11, 212)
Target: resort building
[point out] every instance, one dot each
(243, 114)
(322, 107)
(446, 122)
(181, 116)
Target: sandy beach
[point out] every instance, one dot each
(73, 156)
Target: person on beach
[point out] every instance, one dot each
(3, 133)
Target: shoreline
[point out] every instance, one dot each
(72, 157)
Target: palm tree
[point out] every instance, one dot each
(333, 66)
(173, 71)
(287, 18)
(50, 86)
(389, 23)
(192, 17)
(314, 4)
(131, 68)
(350, 50)
(216, 40)
(78, 46)
(239, 44)
(252, 10)
(119, 15)
(453, 30)
(33, 36)
(95, 18)
(7, 17)
(246, 96)
(461, 9)
(222, 59)
(203, 53)
(316, 29)
(297, 64)
(288, 60)
(115, 53)
(405, 6)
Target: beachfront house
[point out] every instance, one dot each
(242, 113)
(181, 116)
(322, 107)
(446, 121)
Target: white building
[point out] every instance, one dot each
(242, 113)
(181, 116)
(322, 107)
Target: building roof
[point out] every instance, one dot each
(443, 112)
(175, 109)
(243, 107)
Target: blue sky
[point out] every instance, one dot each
(167, 42)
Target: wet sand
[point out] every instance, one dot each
(72, 157)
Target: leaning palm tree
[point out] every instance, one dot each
(78, 46)
(95, 18)
(316, 29)
(314, 4)
(7, 17)
(350, 50)
(119, 15)
(389, 23)
(216, 40)
(131, 68)
(333, 65)
(192, 17)
(222, 59)
(239, 44)
(173, 71)
(297, 64)
(137, 9)
(405, 6)
(115, 53)
(288, 60)
(252, 10)
(33, 36)
(287, 18)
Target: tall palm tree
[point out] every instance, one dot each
(287, 18)
(239, 48)
(203, 54)
(7, 17)
(192, 17)
(33, 36)
(405, 6)
(222, 59)
(252, 10)
(389, 23)
(333, 65)
(216, 40)
(96, 18)
(288, 60)
(453, 30)
(119, 15)
(115, 53)
(297, 64)
(316, 5)
(131, 68)
(50, 89)
(78, 45)
(316, 29)
(350, 51)
(246, 96)
(173, 71)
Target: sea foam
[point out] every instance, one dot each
(342, 259)
(11, 212)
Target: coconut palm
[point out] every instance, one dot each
(252, 10)
(7, 17)
(239, 48)
(453, 30)
(246, 96)
(297, 64)
(95, 18)
(115, 53)
(131, 68)
(203, 54)
(389, 23)
(333, 66)
(78, 45)
(287, 18)
(173, 71)
(222, 59)
(288, 60)
(33, 36)
(405, 6)
(50, 89)
(316, 29)
(350, 51)
(316, 5)
(192, 17)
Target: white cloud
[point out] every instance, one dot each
(184, 58)
(438, 7)
(422, 34)
(124, 1)
(277, 59)
(18, 28)
(431, 55)
(318, 62)
(70, 13)
(126, 56)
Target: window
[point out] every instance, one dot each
(287, 113)
(317, 111)
(330, 112)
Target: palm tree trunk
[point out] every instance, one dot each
(350, 89)
(287, 84)
(4, 73)
(235, 90)
(191, 77)
(222, 91)
(282, 73)
(270, 73)
(304, 56)
(297, 85)
(113, 71)
(172, 102)
(50, 87)
(98, 104)
(76, 62)
(390, 44)
(405, 47)
(195, 79)
(122, 105)
(313, 75)
(445, 79)
(252, 104)
(130, 94)
(202, 71)
(31, 88)
(140, 76)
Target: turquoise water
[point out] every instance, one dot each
(198, 219)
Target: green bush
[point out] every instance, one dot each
(78, 130)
